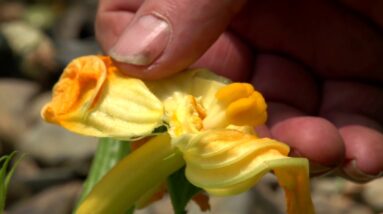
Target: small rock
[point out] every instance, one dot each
(373, 194)
(29, 178)
(162, 206)
(256, 201)
(352, 189)
(268, 196)
(219, 205)
(75, 18)
(33, 116)
(35, 49)
(54, 145)
(49, 177)
(327, 186)
(15, 96)
(27, 168)
(337, 195)
(50, 143)
(74, 33)
(56, 200)
(337, 204)
(233, 204)
(32, 178)
(40, 16)
(67, 50)
(10, 11)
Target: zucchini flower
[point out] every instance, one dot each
(197, 119)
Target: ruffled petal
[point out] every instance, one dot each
(93, 98)
(228, 162)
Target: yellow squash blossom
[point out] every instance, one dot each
(199, 119)
(93, 98)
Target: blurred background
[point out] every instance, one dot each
(37, 40)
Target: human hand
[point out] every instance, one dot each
(318, 63)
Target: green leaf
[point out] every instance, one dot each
(181, 191)
(5, 176)
(109, 152)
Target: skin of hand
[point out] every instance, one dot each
(319, 65)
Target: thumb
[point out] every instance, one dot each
(166, 36)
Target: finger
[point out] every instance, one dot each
(356, 110)
(329, 39)
(168, 35)
(364, 147)
(353, 97)
(281, 80)
(312, 137)
(229, 57)
(113, 16)
(292, 94)
(370, 8)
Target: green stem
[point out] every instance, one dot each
(109, 152)
(134, 175)
(181, 191)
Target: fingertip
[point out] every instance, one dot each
(311, 137)
(164, 37)
(351, 171)
(283, 80)
(363, 138)
(364, 147)
(111, 20)
(229, 57)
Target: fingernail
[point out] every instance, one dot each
(317, 169)
(142, 42)
(354, 173)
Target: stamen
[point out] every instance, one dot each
(244, 105)
(233, 92)
(185, 113)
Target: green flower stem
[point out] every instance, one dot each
(133, 176)
(109, 152)
(181, 191)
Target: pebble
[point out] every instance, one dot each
(261, 199)
(56, 200)
(15, 95)
(33, 47)
(335, 195)
(52, 144)
(373, 194)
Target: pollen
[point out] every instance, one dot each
(186, 114)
